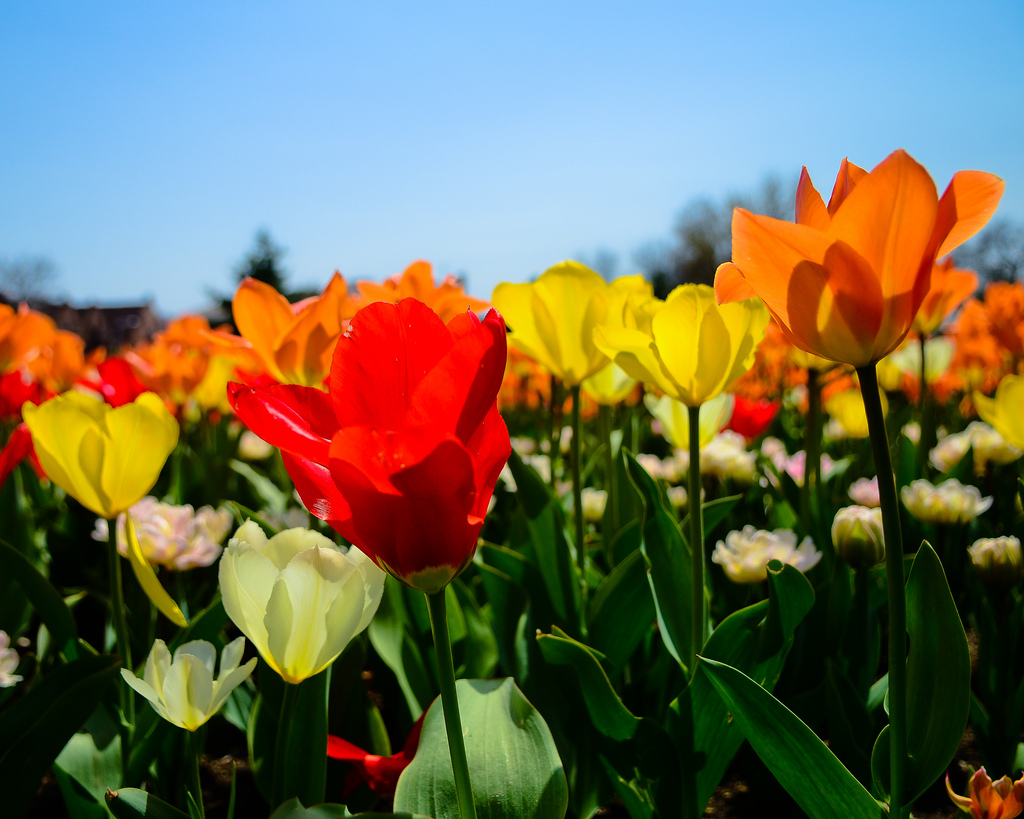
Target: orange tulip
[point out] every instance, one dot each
(447, 299)
(1004, 304)
(24, 334)
(294, 342)
(990, 800)
(175, 362)
(846, 281)
(950, 287)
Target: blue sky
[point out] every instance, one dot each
(143, 145)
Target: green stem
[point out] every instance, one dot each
(283, 787)
(809, 496)
(611, 480)
(450, 703)
(696, 540)
(195, 784)
(577, 491)
(124, 646)
(896, 583)
(555, 432)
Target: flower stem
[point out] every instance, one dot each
(450, 703)
(895, 582)
(812, 449)
(124, 647)
(611, 479)
(283, 787)
(696, 540)
(577, 491)
(195, 785)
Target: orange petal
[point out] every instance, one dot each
(967, 204)
(730, 285)
(810, 209)
(262, 316)
(888, 219)
(848, 177)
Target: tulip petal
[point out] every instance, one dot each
(144, 689)
(377, 366)
(490, 448)
(634, 352)
(810, 209)
(846, 180)
(285, 546)
(201, 650)
(515, 303)
(147, 579)
(262, 316)
(966, 205)
(731, 285)
(297, 419)
(157, 665)
(296, 618)
(303, 352)
(231, 656)
(246, 579)
(226, 684)
(318, 492)
(458, 393)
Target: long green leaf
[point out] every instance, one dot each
(391, 640)
(33, 733)
(43, 597)
(514, 767)
(807, 769)
(607, 712)
(132, 803)
(669, 558)
(621, 610)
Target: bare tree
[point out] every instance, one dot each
(27, 278)
(995, 254)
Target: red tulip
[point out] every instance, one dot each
(18, 448)
(379, 772)
(116, 383)
(16, 388)
(750, 418)
(402, 453)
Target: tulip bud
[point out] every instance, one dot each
(594, 502)
(298, 597)
(997, 560)
(857, 536)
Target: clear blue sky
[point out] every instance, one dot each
(143, 144)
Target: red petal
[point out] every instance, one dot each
(457, 394)
(378, 363)
(320, 496)
(338, 748)
(19, 445)
(299, 420)
(490, 448)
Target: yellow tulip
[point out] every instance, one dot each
(847, 408)
(183, 690)
(938, 355)
(609, 386)
(675, 420)
(552, 320)
(105, 458)
(688, 346)
(1003, 411)
(297, 597)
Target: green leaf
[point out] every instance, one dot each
(307, 741)
(621, 611)
(273, 498)
(477, 653)
(132, 803)
(514, 766)
(637, 803)
(507, 600)
(293, 809)
(392, 641)
(801, 763)
(43, 597)
(546, 525)
(938, 677)
(607, 712)
(669, 559)
(34, 732)
(756, 640)
(94, 768)
(714, 512)
(850, 727)
(79, 802)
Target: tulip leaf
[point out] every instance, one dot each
(607, 712)
(293, 809)
(515, 769)
(132, 803)
(273, 498)
(393, 642)
(477, 653)
(713, 513)
(669, 559)
(546, 526)
(43, 597)
(621, 611)
(93, 767)
(800, 761)
(147, 579)
(938, 679)
(33, 733)
(756, 640)
(638, 804)
(507, 600)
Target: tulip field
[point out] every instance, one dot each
(567, 549)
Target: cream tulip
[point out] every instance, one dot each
(183, 690)
(299, 598)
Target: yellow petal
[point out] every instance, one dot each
(147, 579)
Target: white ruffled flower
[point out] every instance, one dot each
(727, 457)
(8, 662)
(744, 555)
(949, 502)
(864, 491)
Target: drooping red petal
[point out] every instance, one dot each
(379, 362)
(295, 419)
(460, 390)
(319, 494)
